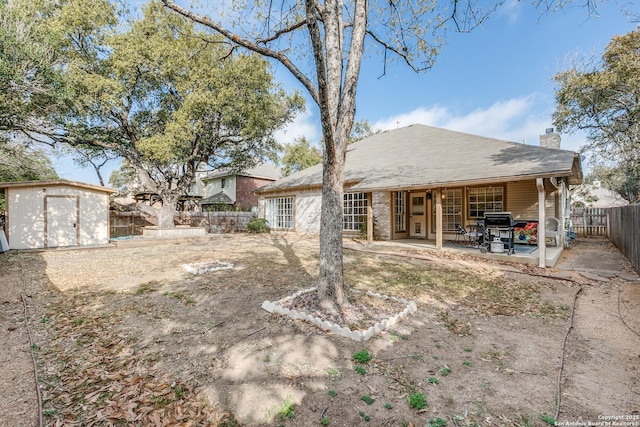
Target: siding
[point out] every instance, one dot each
(522, 200)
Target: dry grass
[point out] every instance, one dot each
(486, 293)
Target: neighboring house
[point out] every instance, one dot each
(52, 213)
(421, 181)
(596, 196)
(225, 186)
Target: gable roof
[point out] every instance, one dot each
(219, 197)
(56, 182)
(420, 156)
(262, 171)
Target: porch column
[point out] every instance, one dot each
(542, 219)
(437, 195)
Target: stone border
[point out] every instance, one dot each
(206, 267)
(276, 306)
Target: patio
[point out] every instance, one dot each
(525, 254)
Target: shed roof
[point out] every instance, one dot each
(263, 171)
(57, 182)
(420, 156)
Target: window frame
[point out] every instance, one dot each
(354, 217)
(284, 217)
(451, 213)
(483, 199)
(400, 212)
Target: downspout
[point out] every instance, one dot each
(438, 198)
(542, 220)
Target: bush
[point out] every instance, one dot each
(258, 225)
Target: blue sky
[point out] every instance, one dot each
(495, 81)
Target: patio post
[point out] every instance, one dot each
(438, 199)
(542, 219)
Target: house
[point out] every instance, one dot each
(421, 181)
(596, 196)
(53, 213)
(228, 187)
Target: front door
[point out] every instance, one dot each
(418, 217)
(61, 223)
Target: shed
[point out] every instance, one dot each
(54, 213)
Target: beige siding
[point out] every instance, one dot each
(26, 215)
(522, 200)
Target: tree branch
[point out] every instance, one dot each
(247, 44)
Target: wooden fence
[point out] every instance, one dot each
(132, 223)
(129, 223)
(216, 222)
(590, 221)
(625, 232)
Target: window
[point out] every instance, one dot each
(485, 199)
(400, 215)
(355, 211)
(223, 182)
(280, 212)
(451, 209)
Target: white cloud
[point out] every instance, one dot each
(511, 9)
(303, 125)
(521, 119)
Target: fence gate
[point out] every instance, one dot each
(590, 221)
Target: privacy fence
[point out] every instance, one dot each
(132, 223)
(590, 221)
(625, 232)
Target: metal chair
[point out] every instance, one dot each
(471, 236)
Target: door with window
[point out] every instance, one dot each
(418, 217)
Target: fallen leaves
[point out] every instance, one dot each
(94, 376)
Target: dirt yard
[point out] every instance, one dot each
(128, 337)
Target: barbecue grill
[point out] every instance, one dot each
(499, 225)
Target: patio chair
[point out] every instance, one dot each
(551, 230)
(471, 236)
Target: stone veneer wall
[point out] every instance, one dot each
(381, 204)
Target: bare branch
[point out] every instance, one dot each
(279, 33)
(247, 44)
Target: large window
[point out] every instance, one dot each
(400, 217)
(355, 211)
(451, 209)
(485, 199)
(280, 212)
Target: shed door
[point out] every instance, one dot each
(61, 221)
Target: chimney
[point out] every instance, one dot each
(550, 139)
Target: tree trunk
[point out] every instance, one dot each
(331, 290)
(337, 101)
(167, 211)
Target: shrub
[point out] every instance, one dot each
(258, 225)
